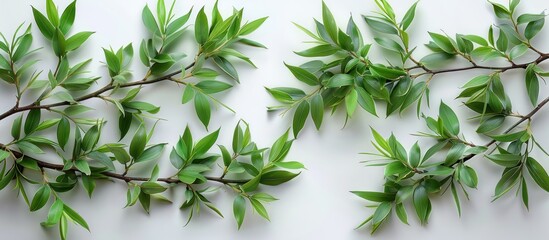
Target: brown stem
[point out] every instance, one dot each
(539, 60)
(59, 167)
(95, 94)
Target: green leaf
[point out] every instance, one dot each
(468, 176)
(77, 40)
(501, 11)
(90, 138)
(329, 22)
(351, 101)
(366, 101)
(401, 213)
(188, 95)
(414, 158)
(533, 28)
(319, 51)
(75, 217)
(53, 15)
(59, 43)
(518, 51)
(23, 48)
(340, 80)
(538, 173)
(202, 108)
(277, 177)
(290, 165)
(389, 44)
(507, 181)
(113, 63)
(300, 116)
(509, 137)
(151, 153)
(32, 120)
(43, 24)
(149, 21)
(205, 143)
(491, 124)
(443, 42)
(139, 140)
(385, 72)
(210, 86)
(252, 26)
(456, 198)
(527, 18)
(449, 118)
(82, 166)
(317, 110)
(506, 160)
(258, 206)
(455, 153)
(227, 67)
(381, 27)
(54, 214)
(201, 31)
(152, 188)
(375, 196)
(422, 204)
(16, 127)
(67, 18)
(239, 209)
(381, 213)
(303, 75)
(278, 147)
(532, 84)
(40, 198)
(408, 17)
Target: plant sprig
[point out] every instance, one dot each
(82, 156)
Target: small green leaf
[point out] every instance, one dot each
(319, 51)
(152, 188)
(43, 24)
(204, 144)
(300, 116)
(351, 101)
(422, 204)
(329, 22)
(506, 160)
(443, 42)
(317, 110)
(202, 108)
(303, 75)
(40, 198)
(258, 206)
(139, 140)
(77, 40)
(278, 177)
(75, 217)
(239, 209)
(67, 18)
(408, 17)
(538, 173)
(82, 166)
(201, 31)
(151, 153)
(340, 80)
(532, 84)
(449, 118)
(32, 120)
(16, 127)
(375, 196)
(149, 21)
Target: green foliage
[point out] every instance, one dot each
(58, 106)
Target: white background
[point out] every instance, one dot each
(317, 204)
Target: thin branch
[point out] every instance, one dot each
(522, 119)
(95, 94)
(60, 167)
(539, 60)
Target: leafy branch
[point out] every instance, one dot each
(78, 155)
